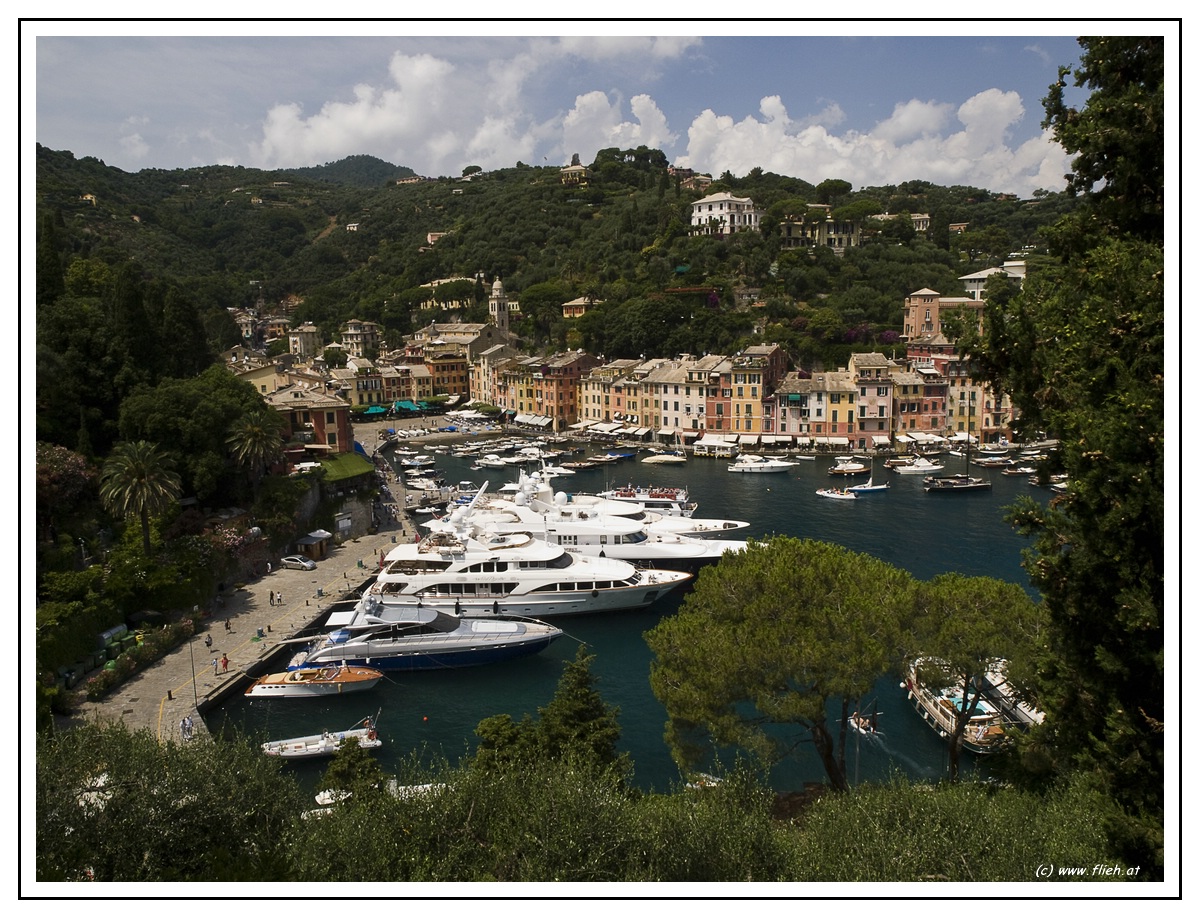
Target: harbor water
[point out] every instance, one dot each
(435, 713)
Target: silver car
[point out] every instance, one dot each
(298, 563)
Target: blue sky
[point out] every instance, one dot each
(864, 102)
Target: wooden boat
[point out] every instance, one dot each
(314, 682)
(996, 706)
(324, 744)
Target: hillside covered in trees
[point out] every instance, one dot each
(234, 237)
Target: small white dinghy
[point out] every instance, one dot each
(325, 743)
(837, 494)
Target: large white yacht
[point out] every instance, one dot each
(468, 568)
(588, 530)
(656, 521)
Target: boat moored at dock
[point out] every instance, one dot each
(313, 683)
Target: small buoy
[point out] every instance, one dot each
(425, 717)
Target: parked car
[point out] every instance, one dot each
(298, 563)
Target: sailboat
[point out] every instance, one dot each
(674, 456)
(945, 484)
(870, 485)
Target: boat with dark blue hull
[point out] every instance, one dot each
(410, 638)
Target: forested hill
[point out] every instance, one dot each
(346, 240)
(356, 171)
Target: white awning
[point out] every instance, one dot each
(521, 419)
(711, 440)
(747, 439)
(581, 425)
(831, 441)
(880, 441)
(668, 431)
(606, 427)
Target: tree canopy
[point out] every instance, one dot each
(1081, 350)
(773, 646)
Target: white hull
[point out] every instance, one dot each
(584, 597)
(919, 467)
(836, 494)
(321, 745)
(758, 465)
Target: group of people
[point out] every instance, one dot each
(276, 597)
(186, 728)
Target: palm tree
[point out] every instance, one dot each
(256, 440)
(136, 478)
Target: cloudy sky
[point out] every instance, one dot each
(861, 103)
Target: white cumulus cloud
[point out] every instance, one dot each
(917, 141)
(596, 122)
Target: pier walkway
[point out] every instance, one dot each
(247, 628)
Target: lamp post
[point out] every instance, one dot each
(192, 657)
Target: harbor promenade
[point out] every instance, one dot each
(247, 627)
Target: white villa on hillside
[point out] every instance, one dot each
(721, 214)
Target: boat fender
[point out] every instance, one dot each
(595, 594)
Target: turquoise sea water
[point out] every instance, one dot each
(925, 534)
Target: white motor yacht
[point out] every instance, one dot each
(589, 531)
(466, 567)
(750, 463)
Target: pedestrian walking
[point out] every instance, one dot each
(279, 598)
(272, 597)
(208, 640)
(191, 727)
(214, 666)
(224, 663)
(228, 627)
(183, 730)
